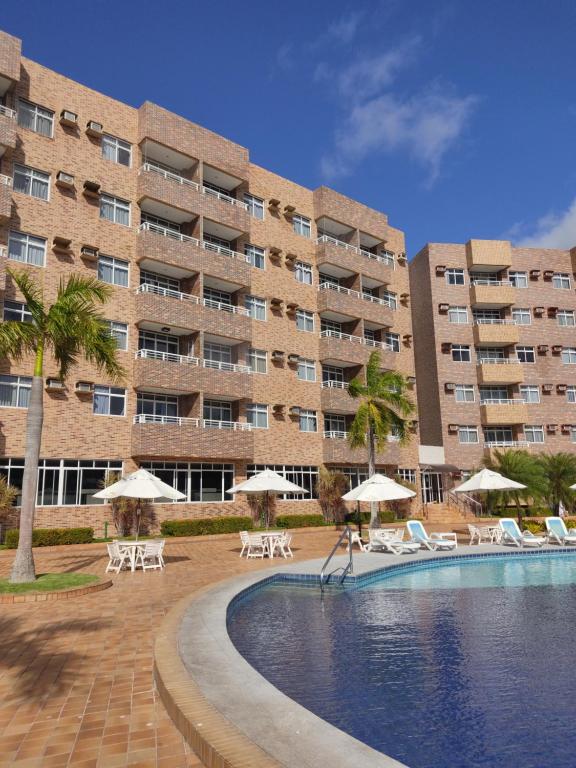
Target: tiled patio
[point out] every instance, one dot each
(76, 685)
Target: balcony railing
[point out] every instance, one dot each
(387, 301)
(223, 251)
(223, 366)
(238, 426)
(488, 281)
(498, 360)
(492, 321)
(502, 401)
(333, 384)
(6, 180)
(385, 258)
(168, 357)
(220, 305)
(148, 226)
(150, 168)
(225, 198)
(330, 334)
(506, 443)
(7, 112)
(147, 418)
(335, 434)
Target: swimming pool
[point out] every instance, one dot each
(466, 663)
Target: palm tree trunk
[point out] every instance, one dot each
(23, 568)
(374, 517)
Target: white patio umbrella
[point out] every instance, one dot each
(267, 482)
(488, 480)
(377, 488)
(140, 485)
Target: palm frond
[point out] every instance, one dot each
(373, 371)
(17, 339)
(359, 427)
(32, 294)
(357, 388)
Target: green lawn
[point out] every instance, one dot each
(50, 582)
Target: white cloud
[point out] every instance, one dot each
(554, 230)
(368, 75)
(344, 30)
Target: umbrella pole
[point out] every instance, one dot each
(138, 513)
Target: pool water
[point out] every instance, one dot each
(454, 666)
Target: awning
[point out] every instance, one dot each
(440, 468)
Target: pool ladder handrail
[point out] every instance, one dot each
(346, 569)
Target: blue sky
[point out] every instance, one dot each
(456, 118)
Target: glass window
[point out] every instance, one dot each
(306, 369)
(393, 340)
(525, 354)
(569, 355)
(464, 393)
(334, 425)
(255, 206)
(258, 360)
(303, 272)
(308, 421)
(215, 298)
(301, 225)
(112, 270)
(461, 353)
(455, 276)
(198, 482)
(522, 316)
(304, 320)
(571, 394)
(255, 256)
(534, 434)
(120, 332)
(468, 435)
(31, 182)
(217, 414)
(530, 393)
(304, 476)
(257, 415)
(159, 281)
(15, 391)
(458, 315)
(332, 375)
(256, 307)
(518, 279)
(17, 311)
(114, 209)
(116, 150)
(158, 406)
(35, 118)
(499, 436)
(561, 280)
(389, 298)
(109, 401)
(164, 226)
(158, 342)
(220, 355)
(27, 248)
(566, 317)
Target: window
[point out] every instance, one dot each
(120, 332)
(301, 225)
(408, 475)
(35, 118)
(116, 150)
(255, 206)
(458, 315)
(573, 434)
(215, 298)
(15, 391)
(198, 482)
(112, 270)
(17, 311)
(499, 436)
(303, 272)
(308, 421)
(455, 276)
(31, 182)
(255, 256)
(485, 354)
(561, 280)
(159, 406)
(566, 317)
(159, 281)
(334, 425)
(522, 316)
(525, 354)
(166, 226)
(530, 393)
(493, 394)
(571, 394)
(390, 298)
(464, 393)
(393, 340)
(534, 434)
(158, 342)
(114, 209)
(369, 334)
(569, 355)
(109, 401)
(257, 415)
(304, 320)
(332, 375)
(256, 307)
(461, 353)
(303, 476)
(217, 414)
(258, 360)
(306, 369)
(332, 326)
(27, 248)
(220, 355)
(468, 435)
(518, 279)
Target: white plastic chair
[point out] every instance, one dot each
(257, 547)
(150, 556)
(117, 558)
(244, 540)
(283, 543)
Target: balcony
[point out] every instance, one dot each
(179, 192)
(335, 345)
(181, 438)
(500, 371)
(330, 250)
(497, 333)
(345, 301)
(182, 310)
(7, 129)
(506, 444)
(336, 450)
(5, 198)
(167, 372)
(495, 412)
(492, 293)
(495, 254)
(335, 397)
(188, 254)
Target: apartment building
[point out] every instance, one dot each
(242, 303)
(495, 343)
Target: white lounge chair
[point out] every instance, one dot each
(558, 533)
(434, 541)
(150, 556)
(480, 533)
(117, 558)
(511, 534)
(389, 542)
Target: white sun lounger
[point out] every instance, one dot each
(434, 540)
(511, 534)
(390, 543)
(558, 533)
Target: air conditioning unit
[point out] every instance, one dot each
(274, 252)
(538, 311)
(551, 427)
(278, 355)
(91, 189)
(566, 428)
(404, 298)
(449, 386)
(440, 269)
(68, 118)
(290, 258)
(548, 274)
(64, 179)
(547, 387)
(401, 257)
(452, 428)
(293, 359)
(295, 410)
(407, 338)
(84, 387)
(61, 244)
(278, 409)
(89, 253)
(446, 347)
(552, 311)
(291, 307)
(556, 349)
(276, 303)
(54, 385)
(94, 129)
(411, 380)
(443, 308)
(273, 204)
(289, 211)
(561, 387)
(542, 349)
(534, 274)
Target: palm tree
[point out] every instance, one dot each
(560, 473)
(383, 411)
(70, 327)
(522, 467)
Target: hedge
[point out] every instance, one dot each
(206, 526)
(50, 537)
(299, 521)
(386, 516)
(534, 526)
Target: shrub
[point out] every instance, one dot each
(50, 537)
(386, 516)
(204, 527)
(570, 522)
(534, 526)
(299, 521)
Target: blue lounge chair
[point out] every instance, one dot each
(558, 533)
(434, 541)
(511, 534)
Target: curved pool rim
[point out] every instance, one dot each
(196, 661)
